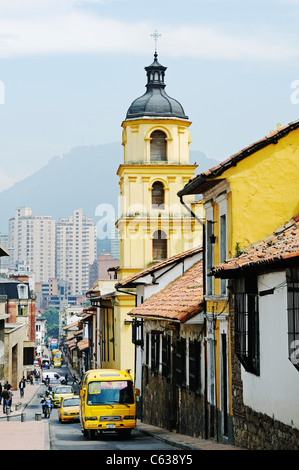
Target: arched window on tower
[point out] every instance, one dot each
(159, 245)
(158, 195)
(158, 146)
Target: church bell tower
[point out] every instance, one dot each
(153, 225)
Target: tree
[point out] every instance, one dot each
(52, 317)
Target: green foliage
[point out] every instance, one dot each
(52, 325)
(238, 250)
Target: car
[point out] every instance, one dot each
(62, 391)
(53, 384)
(69, 409)
(52, 375)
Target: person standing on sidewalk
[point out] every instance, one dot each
(10, 395)
(5, 398)
(22, 388)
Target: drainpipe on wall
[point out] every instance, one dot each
(204, 305)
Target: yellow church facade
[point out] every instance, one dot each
(152, 224)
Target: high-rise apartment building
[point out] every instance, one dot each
(31, 242)
(76, 250)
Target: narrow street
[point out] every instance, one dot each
(68, 436)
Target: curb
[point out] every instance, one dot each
(166, 440)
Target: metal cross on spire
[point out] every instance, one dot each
(156, 36)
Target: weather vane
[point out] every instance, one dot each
(156, 36)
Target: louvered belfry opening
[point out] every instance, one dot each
(158, 146)
(158, 195)
(159, 245)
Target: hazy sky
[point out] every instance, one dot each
(69, 70)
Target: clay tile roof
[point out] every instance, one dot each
(71, 325)
(179, 301)
(279, 248)
(130, 279)
(83, 344)
(206, 180)
(72, 344)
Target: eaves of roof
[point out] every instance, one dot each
(83, 344)
(204, 181)
(71, 325)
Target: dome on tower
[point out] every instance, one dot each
(155, 102)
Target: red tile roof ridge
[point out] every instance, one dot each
(282, 244)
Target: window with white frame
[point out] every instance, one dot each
(22, 291)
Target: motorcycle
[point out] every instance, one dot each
(47, 407)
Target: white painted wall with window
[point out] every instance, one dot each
(275, 391)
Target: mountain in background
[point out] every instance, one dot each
(82, 178)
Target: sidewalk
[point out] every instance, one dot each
(181, 440)
(18, 434)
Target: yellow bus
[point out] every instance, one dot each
(107, 402)
(57, 358)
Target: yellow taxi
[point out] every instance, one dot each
(69, 409)
(62, 391)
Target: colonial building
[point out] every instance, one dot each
(264, 304)
(246, 198)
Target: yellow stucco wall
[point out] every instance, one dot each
(263, 194)
(264, 191)
(138, 220)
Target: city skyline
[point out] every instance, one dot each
(45, 249)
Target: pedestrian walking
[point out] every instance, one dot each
(0, 392)
(22, 387)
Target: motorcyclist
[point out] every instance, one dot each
(47, 396)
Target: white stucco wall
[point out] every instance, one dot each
(276, 391)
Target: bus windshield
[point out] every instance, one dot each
(114, 392)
